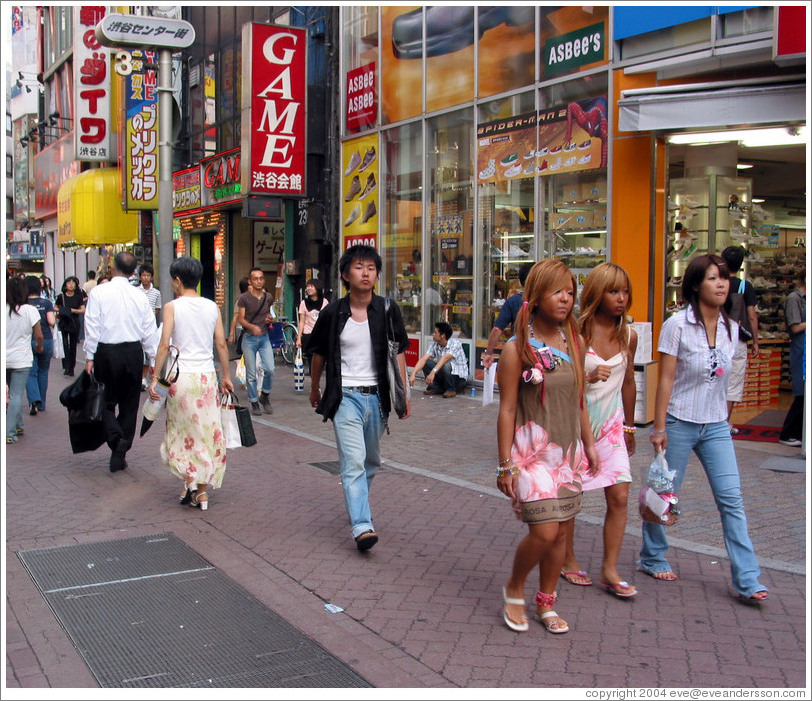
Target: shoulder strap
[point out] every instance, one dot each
(741, 287)
(264, 294)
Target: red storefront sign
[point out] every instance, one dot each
(789, 42)
(362, 104)
(52, 167)
(220, 179)
(274, 124)
(186, 191)
(92, 85)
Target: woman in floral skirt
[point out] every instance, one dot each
(610, 395)
(544, 436)
(194, 448)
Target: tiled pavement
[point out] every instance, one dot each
(422, 607)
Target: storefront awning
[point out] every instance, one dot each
(687, 107)
(89, 211)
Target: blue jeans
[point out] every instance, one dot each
(714, 448)
(251, 345)
(37, 386)
(16, 379)
(358, 429)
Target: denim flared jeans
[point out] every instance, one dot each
(714, 448)
(251, 345)
(358, 429)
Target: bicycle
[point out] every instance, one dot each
(283, 334)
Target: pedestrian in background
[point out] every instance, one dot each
(544, 437)
(309, 309)
(146, 273)
(23, 328)
(741, 307)
(234, 330)
(37, 384)
(194, 448)
(90, 283)
(254, 314)
(70, 308)
(444, 365)
(610, 396)
(507, 316)
(696, 346)
(119, 329)
(792, 430)
(350, 341)
(47, 289)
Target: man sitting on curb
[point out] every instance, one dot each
(446, 367)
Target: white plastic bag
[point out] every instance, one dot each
(228, 418)
(59, 349)
(657, 501)
(240, 374)
(487, 388)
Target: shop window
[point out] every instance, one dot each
(360, 60)
(507, 48)
(661, 40)
(573, 38)
(450, 257)
(750, 21)
(402, 229)
(401, 74)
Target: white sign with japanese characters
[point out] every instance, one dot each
(92, 85)
(145, 32)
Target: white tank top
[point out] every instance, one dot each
(357, 361)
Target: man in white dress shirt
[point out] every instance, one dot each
(119, 329)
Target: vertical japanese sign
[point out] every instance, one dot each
(274, 119)
(141, 132)
(92, 85)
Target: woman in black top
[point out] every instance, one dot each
(69, 306)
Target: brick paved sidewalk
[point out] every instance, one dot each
(422, 608)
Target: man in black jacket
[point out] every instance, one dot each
(350, 339)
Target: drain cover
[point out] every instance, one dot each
(150, 612)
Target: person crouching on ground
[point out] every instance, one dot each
(446, 367)
(544, 436)
(350, 341)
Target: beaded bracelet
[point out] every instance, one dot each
(630, 429)
(654, 432)
(507, 471)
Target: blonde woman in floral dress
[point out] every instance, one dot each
(610, 396)
(194, 448)
(544, 436)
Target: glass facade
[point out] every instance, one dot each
(493, 131)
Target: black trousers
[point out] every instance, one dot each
(69, 341)
(794, 422)
(119, 367)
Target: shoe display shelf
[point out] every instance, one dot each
(706, 214)
(578, 220)
(762, 378)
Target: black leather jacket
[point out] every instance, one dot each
(325, 341)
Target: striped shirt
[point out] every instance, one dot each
(700, 383)
(153, 296)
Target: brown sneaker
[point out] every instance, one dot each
(369, 212)
(432, 391)
(449, 394)
(355, 188)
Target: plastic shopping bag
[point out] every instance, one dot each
(240, 374)
(487, 389)
(657, 501)
(59, 349)
(298, 372)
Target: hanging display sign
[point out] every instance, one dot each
(362, 103)
(141, 132)
(557, 140)
(220, 179)
(274, 115)
(92, 85)
(574, 50)
(186, 190)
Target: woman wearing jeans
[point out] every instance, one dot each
(697, 345)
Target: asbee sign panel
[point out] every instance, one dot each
(274, 116)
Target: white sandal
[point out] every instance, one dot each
(548, 600)
(518, 626)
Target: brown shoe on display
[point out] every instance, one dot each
(355, 188)
(369, 212)
(369, 187)
(369, 157)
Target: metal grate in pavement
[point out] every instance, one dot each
(331, 466)
(150, 612)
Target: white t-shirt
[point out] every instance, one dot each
(19, 331)
(193, 333)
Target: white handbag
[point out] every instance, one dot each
(228, 418)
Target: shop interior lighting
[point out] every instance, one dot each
(757, 200)
(744, 166)
(749, 138)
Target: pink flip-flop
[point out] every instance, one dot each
(580, 573)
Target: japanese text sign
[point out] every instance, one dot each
(92, 84)
(274, 119)
(141, 144)
(145, 32)
(186, 190)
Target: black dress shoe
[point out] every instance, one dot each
(366, 540)
(117, 462)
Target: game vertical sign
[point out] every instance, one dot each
(92, 82)
(141, 132)
(274, 118)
